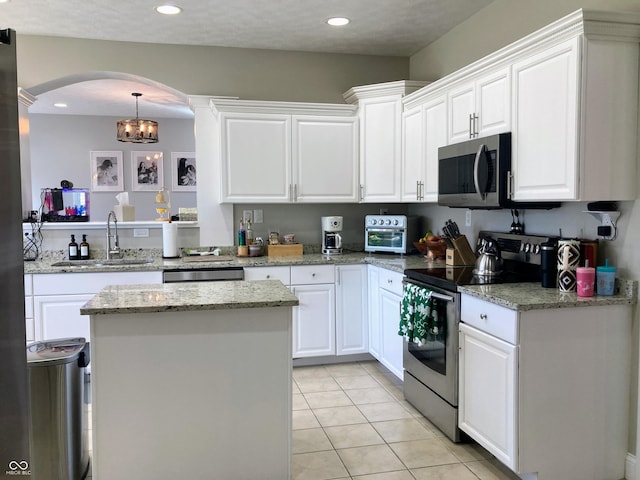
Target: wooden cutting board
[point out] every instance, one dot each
(207, 258)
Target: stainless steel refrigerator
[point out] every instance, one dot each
(14, 385)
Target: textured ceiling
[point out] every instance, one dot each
(378, 27)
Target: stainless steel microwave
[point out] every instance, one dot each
(390, 233)
(475, 173)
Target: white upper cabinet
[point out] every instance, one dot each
(256, 157)
(434, 113)
(412, 155)
(480, 106)
(276, 152)
(325, 159)
(380, 114)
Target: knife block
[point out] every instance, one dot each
(461, 253)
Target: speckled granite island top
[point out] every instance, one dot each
(189, 296)
(531, 296)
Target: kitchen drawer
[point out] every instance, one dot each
(490, 318)
(391, 281)
(268, 273)
(312, 274)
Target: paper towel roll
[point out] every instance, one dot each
(170, 240)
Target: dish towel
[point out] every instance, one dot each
(422, 316)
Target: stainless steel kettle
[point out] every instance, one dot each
(489, 262)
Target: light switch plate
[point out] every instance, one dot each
(257, 216)
(247, 215)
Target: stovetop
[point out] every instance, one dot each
(520, 263)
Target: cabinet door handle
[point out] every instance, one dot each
(483, 316)
(475, 124)
(295, 192)
(268, 276)
(361, 192)
(313, 275)
(471, 125)
(417, 189)
(389, 280)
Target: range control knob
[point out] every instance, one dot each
(527, 247)
(396, 222)
(373, 221)
(388, 222)
(536, 249)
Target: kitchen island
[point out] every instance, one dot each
(191, 380)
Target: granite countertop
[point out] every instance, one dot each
(189, 296)
(531, 296)
(155, 262)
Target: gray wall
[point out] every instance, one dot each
(194, 70)
(61, 146)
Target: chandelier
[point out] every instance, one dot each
(137, 130)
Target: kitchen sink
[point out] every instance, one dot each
(102, 263)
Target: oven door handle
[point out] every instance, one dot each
(440, 296)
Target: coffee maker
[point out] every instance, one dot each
(331, 236)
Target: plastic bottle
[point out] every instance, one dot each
(74, 253)
(242, 235)
(84, 248)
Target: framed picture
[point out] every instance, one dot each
(146, 171)
(183, 171)
(106, 172)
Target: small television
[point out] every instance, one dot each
(65, 205)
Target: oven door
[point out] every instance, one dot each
(385, 240)
(435, 364)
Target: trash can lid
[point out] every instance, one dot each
(54, 352)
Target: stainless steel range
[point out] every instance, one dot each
(431, 368)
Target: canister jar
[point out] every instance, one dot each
(568, 262)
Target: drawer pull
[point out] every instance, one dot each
(268, 276)
(313, 274)
(389, 280)
(483, 316)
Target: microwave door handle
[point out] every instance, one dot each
(476, 171)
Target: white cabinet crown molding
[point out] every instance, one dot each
(591, 23)
(286, 108)
(401, 88)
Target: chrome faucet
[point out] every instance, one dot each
(113, 251)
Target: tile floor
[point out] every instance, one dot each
(350, 421)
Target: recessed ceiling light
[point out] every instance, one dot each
(338, 21)
(5, 1)
(168, 9)
(60, 105)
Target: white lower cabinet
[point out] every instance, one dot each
(352, 327)
(30, 328)
(384, 318)
(546, 391)
(57, 299)
(488, 380)
(314, 321)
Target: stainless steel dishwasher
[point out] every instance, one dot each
(203, 275)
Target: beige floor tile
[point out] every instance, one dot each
(372, 366)
(312, 385)
(318, 466)
(402, 430)
(360, 435)
(374, 459)
(455, 471)
(379, 412)
(491, 470)
(298, 402)
(410, 408)
(423, 453)
(332, 416)
(345, 369)
(310, 440)
(357, 381)
(430, 426)
(395, 391)
(361, 396)
(466, 452)
(294, 387)
(328, 399)
(304, 419)
(316, 371)
(398, 475)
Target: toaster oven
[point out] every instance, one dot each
(390, 233)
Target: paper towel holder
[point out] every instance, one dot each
(163, 205)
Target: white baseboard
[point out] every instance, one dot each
(630, 467)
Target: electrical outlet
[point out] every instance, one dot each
(141, 232)
(467, 219)
(257, 216)
(247, 215)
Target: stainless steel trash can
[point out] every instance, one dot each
(59, 436)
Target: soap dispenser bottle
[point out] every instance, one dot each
(74, 254)
(84, 248)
